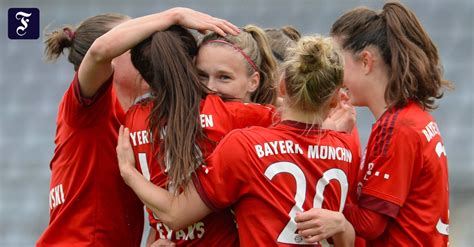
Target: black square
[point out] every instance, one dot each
(23, 23)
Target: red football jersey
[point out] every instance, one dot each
(405, 176)
(90, 205)
(217, 119)
(269, 174)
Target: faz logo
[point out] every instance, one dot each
(23, 23)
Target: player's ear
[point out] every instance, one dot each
(254, 82)
(334, 101)
(367, 60)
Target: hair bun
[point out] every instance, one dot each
(313, 54)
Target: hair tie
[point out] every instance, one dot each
(70, 34)
(249, 60)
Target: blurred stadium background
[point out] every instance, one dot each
(30, 90)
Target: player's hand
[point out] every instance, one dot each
(343, 116)
(162, 243)
(203, 22)
(317, 224)
(125, 156)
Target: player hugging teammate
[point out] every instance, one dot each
(206, 147)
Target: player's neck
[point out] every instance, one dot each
(378, 84)
(297, 115)
(378, 110)
(127, 94)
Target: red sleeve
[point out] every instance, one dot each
(367, 223)
(388, 175)
(352, 144)
(251, 114)
(224, 179)
(80, 111)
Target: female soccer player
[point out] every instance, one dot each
(214, 118)
(268, 175)
(393, 68)
(240, 66)
(164, 60)
(229, 65)
(90, 205)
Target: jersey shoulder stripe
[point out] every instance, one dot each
(385, 128)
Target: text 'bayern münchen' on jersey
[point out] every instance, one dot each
(269, 174)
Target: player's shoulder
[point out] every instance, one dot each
(338, 135)
(140, 110)
(411, 120)
(142, 103)
(236, 104)
(399, 128)
(248, 134)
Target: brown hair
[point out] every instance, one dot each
(412, 57)
(280, 39)
(313, 71)
(254, 43)
(79, 39)
(164, 60)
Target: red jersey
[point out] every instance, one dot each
(90, 205)
(217, 119)
(405, 177)
(269, 174)
(352, 196)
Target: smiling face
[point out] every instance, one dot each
(224, 70)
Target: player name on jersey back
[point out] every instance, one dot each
(323, 152)
(142, 137)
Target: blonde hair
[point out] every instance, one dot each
(254, 44)
(313, 72)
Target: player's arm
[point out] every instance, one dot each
(381, 198)
(162, 243)
(367, 224)
(346, 238)
(317, 224)
(96, 67)
(175, 211)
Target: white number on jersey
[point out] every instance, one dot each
(144, 165)
(288, 235)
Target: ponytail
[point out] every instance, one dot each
(412, 57)
(165, 62)
(78, 40)
(266, 91)
(56, 41)
(415, 64)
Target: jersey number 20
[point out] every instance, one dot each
(288, 235)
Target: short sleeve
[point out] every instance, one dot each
(225, 177)
(389, 175)
(80, 111)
